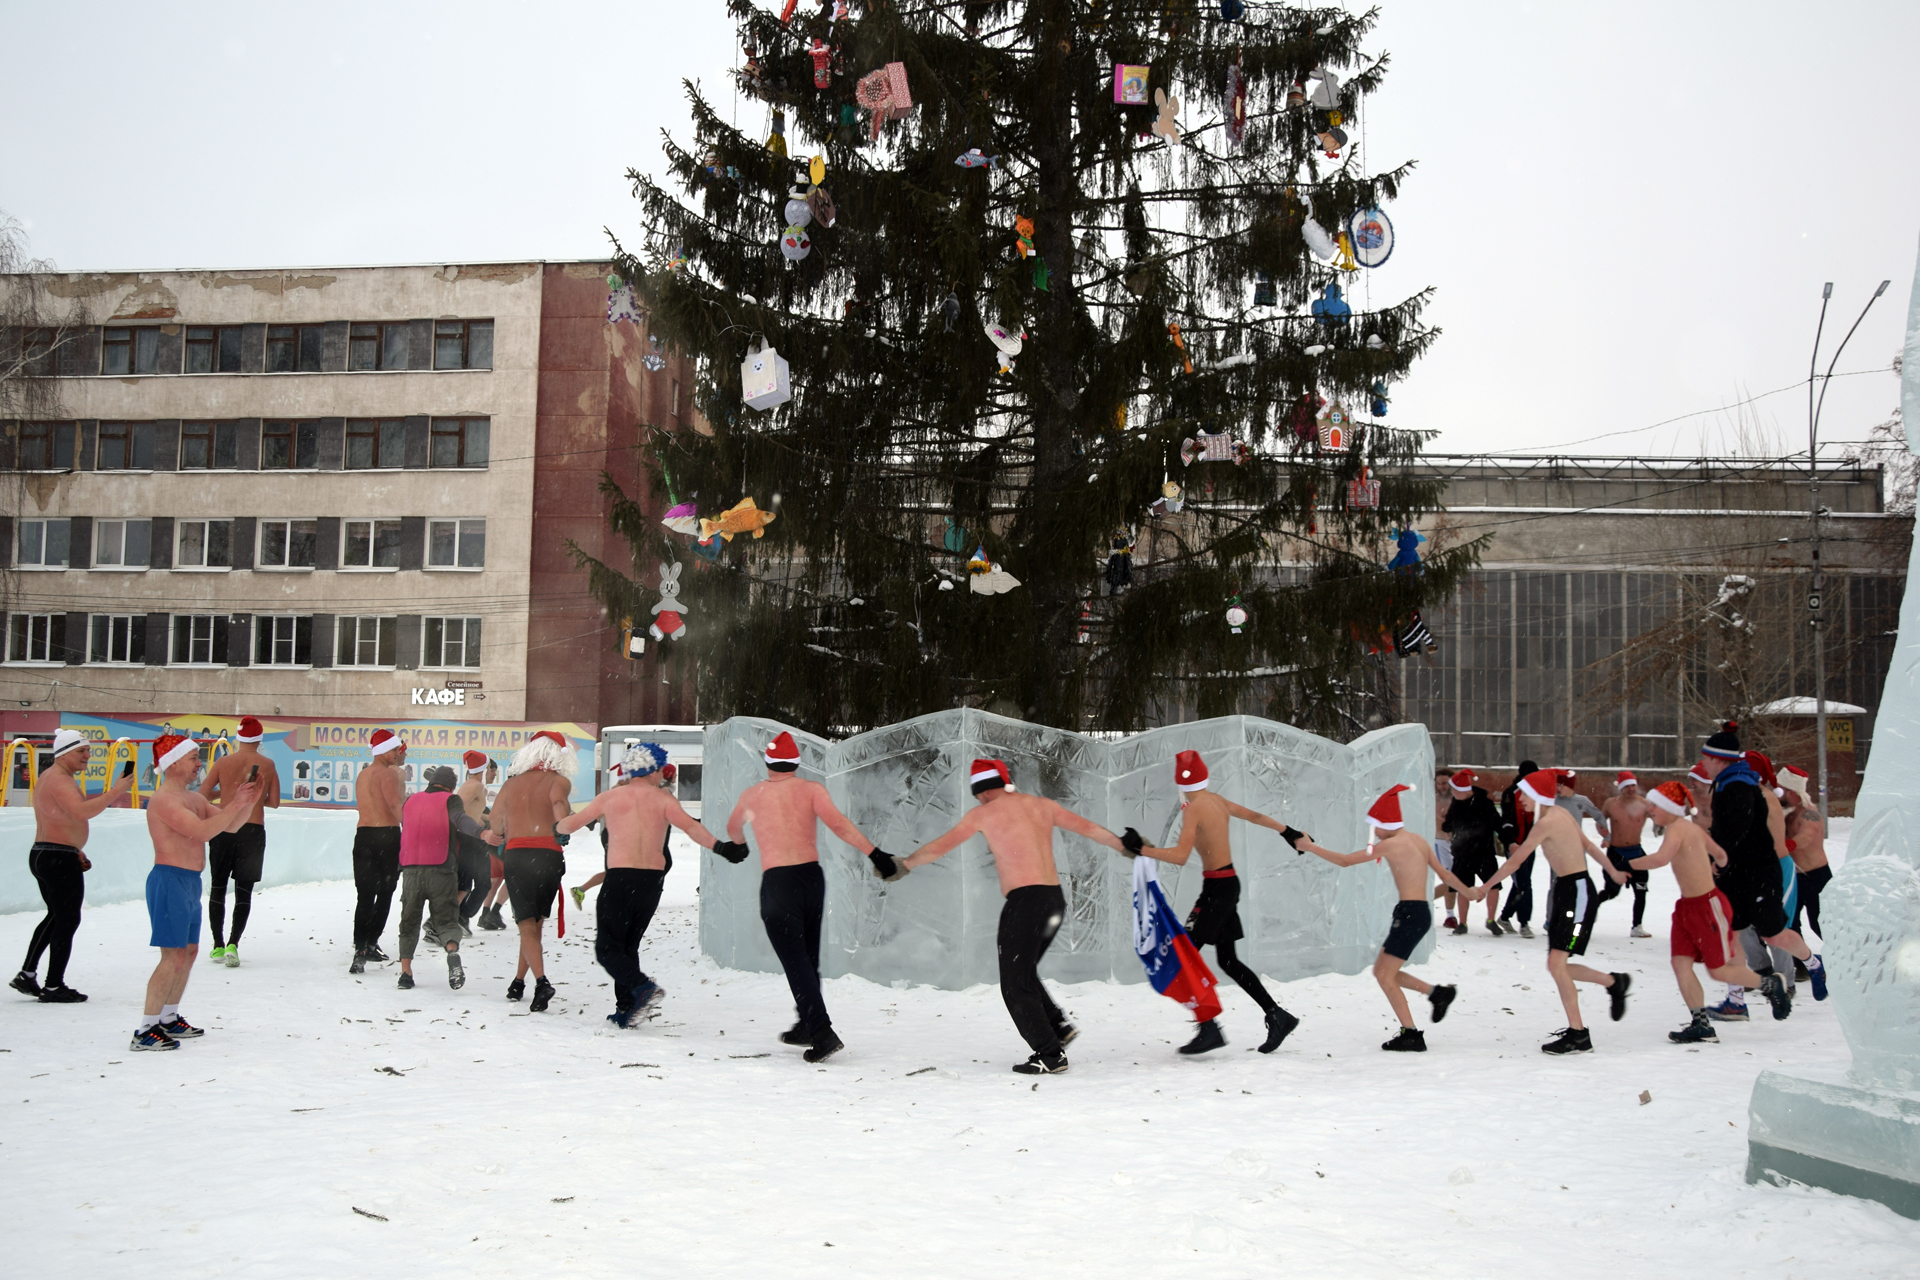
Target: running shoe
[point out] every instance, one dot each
(1817, 975)
(1451, 923)
(1569, 1041)
(359, 964)
(1066, 1033)
(516, 988)
(26, 984)
(1459, 931)
(1494, 929)
(375, 955)
(579, 897)
(1617, 995)
(646, 1001)
(1774, 988)
(152, 1038)
(233, 955)
(1698, 1031)
(1526, 930)
(60, 993)
(456, 972)
(1638, 932)
(406, 981)
(1280, 1025)
(1205, 1040)
(490, 919)
(1728, 1010)
(1410, 1040)
(218, 955)
(542, 996)
(795, 1034)
(430, 937)
(1442, 999)
(1042, 1066)
(825, 1045)
(180, 1029)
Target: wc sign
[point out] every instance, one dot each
(439, 698)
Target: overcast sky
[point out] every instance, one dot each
(1627, 209)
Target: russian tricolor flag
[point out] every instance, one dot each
(1174, 966)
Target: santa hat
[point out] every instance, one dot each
(1724, 745)
(1189, 771)
(668, 772)
(250, 730)
(1540, 784)
(1762, 766)
(1623, 780)
(546, 750)
(1672, 797)
(65, 740)
(988, 774)
(172, 748)
(383, 741)
(1565, 776)
(1385, 813)
(783, 753)
(1793, 778)
(1697, 774)
(643, 758)
(1463, 780)
(475, 761)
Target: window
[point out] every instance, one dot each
(451, 642)
(289, 446)
(378, 346)
(124, 446)
(371, 544)
(126, 350)
(375, 442)
(456, 544)
(118, 637)
(213, 350)
(45, 446)
(122, 544)
(209, 445)
(282, 642)
(459, 442)
(286, 544)
(43, 544)
(37, 637)
(36, 351)
(463, 344)
(203, 545)
(365, 642)
(194, 636)
(294, 348)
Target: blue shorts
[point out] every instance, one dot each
(1790, 883)
(173, 905)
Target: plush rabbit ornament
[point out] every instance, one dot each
(667, 623)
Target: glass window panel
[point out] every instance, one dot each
(116, 351)
(146, 351)
(201, 344)
(302, 535)
(359, 544)
(139, 548)
(306, 445)
(273, 544)
(108, 537)
(196, 445)
(389, 638)
(141, 446)
(310, 348)
(32, 535)
(282, 343)
(226, 445)
(276, 446)
(193, 544)
(441, 538)
(446, 448)
(449, 344)
(394, 346)
(363, 348)
(393, 442)
(230, 349)
(473, 544)
(434, 642)
(475, 448)
(362, 443)
(386, 544)
(480, 344)
(57, 542)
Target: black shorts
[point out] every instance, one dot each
(1411, 922)
(1571, 909)
(1474, 866)
(533, 881)
(240, 854)
(1215, 917)
(1758, 898)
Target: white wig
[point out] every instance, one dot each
(542, 752)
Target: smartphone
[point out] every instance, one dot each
(126, 770)
(253, 772)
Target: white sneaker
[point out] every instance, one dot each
(1638, 932)
(233, 957)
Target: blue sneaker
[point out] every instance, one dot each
(148, 1038)
(1817, 975)
(1728, 1010)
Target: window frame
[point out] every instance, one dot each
(214, 340)
(443, 330)
(131, 344)
(373, 542)
(462, 433)
(348, 640)
(51, 434)
(100, 526)
(379, 437)
(385, 360)
(46, 640)
(131, 438)
(41, 566)
(206, 537)
(173, 632)
(300, 337)
(110, 621)
(267, 639)
(260, 561)
(302, 439)
(472, 638)
(217, 432)
(459, 534)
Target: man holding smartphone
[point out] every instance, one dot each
(61, 811)
(238, 855)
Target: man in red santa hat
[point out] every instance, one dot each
(238, 855)
(378, 793)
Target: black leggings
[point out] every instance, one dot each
(1520, 897)
(1242, 974)
(1636, 877)
(217, 908)
(376, 873)
(792, 901)
(624, 909)
(1811, 883)
(1028, 921)
(63, 887)
(476, 875)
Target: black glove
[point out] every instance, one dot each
(886, 866)
(1293, 838)
(563, 838)
(1130, 841)
(732, 850)
(1509, 834)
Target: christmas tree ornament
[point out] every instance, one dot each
(741, 517)
(1301, 417)
(1407, 559)
(1006, 344)
(1326, 93)
(1169, 502)
(950, 310)
(1130, 85)
(1363, 491)
(1375, 342)
(786, 10)
(797, 212)
(817, 170)
(1041, 275)
(1333, 430)
(1236, 101)
(1371, 236)
(752, 74)
(708, 548)
(764, 383)
(847, 131)
(667, 611)
(1414, 638)
(1318, 240)
(955, 538)
(822, 207)
(985, 579)
(622, 305)
(678, 258)
(974, 158)
(795, 243)
(1023, 233)
(683, 518)
(1379, 393)
(1343, 258)
(977, 563)
(1181, 343)
(1315, 349)
(1119, 564)
(777, 140)
(1236, 616)
(1296, 94)
(885, 93)
(822, 64)
(1214, 447)
(1232, 10)
(655, 360)
(1331, 138)
(1330, 308)
(1166, 125)
(1265, 293)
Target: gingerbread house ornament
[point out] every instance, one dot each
(764, 383)
(1336, 429)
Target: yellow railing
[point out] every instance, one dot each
(6, 768)
(124, 751)
(221, 747)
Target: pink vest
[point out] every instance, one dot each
(425, 830)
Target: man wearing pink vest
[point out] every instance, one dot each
(430, 821)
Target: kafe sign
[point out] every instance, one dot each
(439, 698)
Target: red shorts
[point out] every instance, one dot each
(499, 868)
(1700, 929)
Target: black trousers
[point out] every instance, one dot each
(1811, 883)
(1029, 918)
(624, 909)
(238, 856)
(63, 887)
(792, 902)
(476, 875)
(1636, 878)
(1520, 896)
(376, 873)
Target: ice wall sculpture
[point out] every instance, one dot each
(906, 783)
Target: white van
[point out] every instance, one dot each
(686, 751)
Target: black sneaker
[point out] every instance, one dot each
(1280, 1025)
(825, 1045)
(359, 964)
(1774, 988)
(376, 955)
(150, 1038)
(516, 988)
(1569, 1041)
(430, 938)
(542, 996)
(1205, 1040)
(796, 1034)
(1410, 1040)
(1699, 1031)
(456, 972)
(1441, 997)
(179, 1028)
(60, 993)
(1494, 929)
(1066, 1033)
(1051, 1065)
(1459, 931)
(1617, 995)
(26, 984)
(406, 982)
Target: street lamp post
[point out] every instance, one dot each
(1816, 595)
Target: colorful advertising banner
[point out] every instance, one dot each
(318, 759)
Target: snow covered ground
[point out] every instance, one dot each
(495, 1142)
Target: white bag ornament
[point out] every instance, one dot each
(764, 383)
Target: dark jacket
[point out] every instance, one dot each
(1471, 823)
(1740, 821)
(1515, 820)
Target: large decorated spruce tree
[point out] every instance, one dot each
(1082, 404)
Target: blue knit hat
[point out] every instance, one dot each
(1724, 745)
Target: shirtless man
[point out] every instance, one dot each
(784, 811)
(535, 797)
(497, 892)
(1701, 918)
(376, 846)
(1019, 832)
(1215, 918)
(180, 821)
(1409, 857)
(635, 816)
(60, 816)
(240, 854)
(1571, 905)
(476, 858)
(1807, 843)
(1626, 821)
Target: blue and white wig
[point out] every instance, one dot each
(642, 759)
